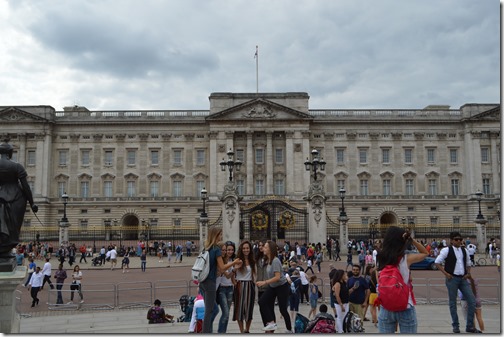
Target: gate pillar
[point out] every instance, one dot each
(231, 214)
(317, 219)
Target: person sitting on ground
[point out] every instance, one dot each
(157, 314)
(329, 327)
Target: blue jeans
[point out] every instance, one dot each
(209, 293)
(59, 300)
(407, 321)
(225, 295)
(143, 265)
(454, 284)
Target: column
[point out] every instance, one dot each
(306, 154)
(317, 220)
(250, 164)
(230, 215)
(289, 162)
(214, 168)
(22, 149)
(496, 182)
(269, 163)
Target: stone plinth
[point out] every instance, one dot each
(9, 318)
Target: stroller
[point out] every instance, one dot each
(96, 261)
(186, 307)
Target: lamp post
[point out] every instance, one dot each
(94, 240)
(146, 223)
(230, 164)
(343, 219)
(203, 219)
(480, 223)
(374, 224)
(315, 164)
(63, 225)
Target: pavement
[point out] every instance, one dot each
(432, 318)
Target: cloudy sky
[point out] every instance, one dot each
(154, 54)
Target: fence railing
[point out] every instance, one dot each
(128, 295)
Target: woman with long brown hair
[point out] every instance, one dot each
(208, 286)
(244, 291)
(278, 287)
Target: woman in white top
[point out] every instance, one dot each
(244, 291)
(76, 284)
(225, 286)
(393, 253)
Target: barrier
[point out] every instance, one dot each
(167, 291)
(17, 295)
(135, 294)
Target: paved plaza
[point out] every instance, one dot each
(432, 318)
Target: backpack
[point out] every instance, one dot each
(352, 323)
(177, 250)
(393, 293)
(201, 266)
(324, 326)
(300, 323)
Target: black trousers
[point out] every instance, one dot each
(47, 278)
(267, 304)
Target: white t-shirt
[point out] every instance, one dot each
(113, 254)
(375, 252)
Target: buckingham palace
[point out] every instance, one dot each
(130, 174)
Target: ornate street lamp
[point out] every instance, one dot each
(64, 197)
(479, 218)
(94, 240)
(203, 219)
(230, 164)
(342, 197)
(343, 219)
(315, 164)
(63, 225)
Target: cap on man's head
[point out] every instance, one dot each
(455, 235)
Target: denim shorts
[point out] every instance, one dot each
(313, 302)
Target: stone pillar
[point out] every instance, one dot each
(9, 319)
(317, 218)
(203, 232)
(63, 233)
(343, 235)
(230, 214)
(481, 235)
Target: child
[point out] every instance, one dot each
(294, 297)
(498, 261)
(349, 260)
(309, 264)
(198, 314)
(478, 311)
(313, 289)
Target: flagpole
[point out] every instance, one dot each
(257, 70)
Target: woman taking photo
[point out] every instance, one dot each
(208, 286)
(278, 287)
(244, 291)
(340, 291)
(76, 284)
(393, 253)
(225, 286)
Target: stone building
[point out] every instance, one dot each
(119, 168)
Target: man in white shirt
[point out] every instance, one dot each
(35, 285)
(113, 258)
(46, 273)
(457, 269)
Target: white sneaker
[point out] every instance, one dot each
(270, 327)
(82, 301)
(71, 302)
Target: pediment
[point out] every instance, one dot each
(14, 114)
(259, 109)
(491, 114)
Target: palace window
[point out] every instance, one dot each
(363, 156)
(453, 156)
(131, 155)
(154, 157)
(485, 155)
(363, 187)
(63, 157)
(432, 186)
(408, 156)
(154, 188)
(30, 160)
(85, 156)
(455, 187)
(200, 157)
(386, 187)
(259, 157)
(109, 159)
(386, 156)
(340, 156)
(131, 186)
(107, 189)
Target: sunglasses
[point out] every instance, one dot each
(457, 239)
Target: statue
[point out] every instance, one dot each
(14, 193)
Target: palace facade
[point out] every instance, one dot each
(130, 168)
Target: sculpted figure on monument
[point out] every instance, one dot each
(14, 193)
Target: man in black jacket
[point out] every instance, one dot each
(457, 269)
